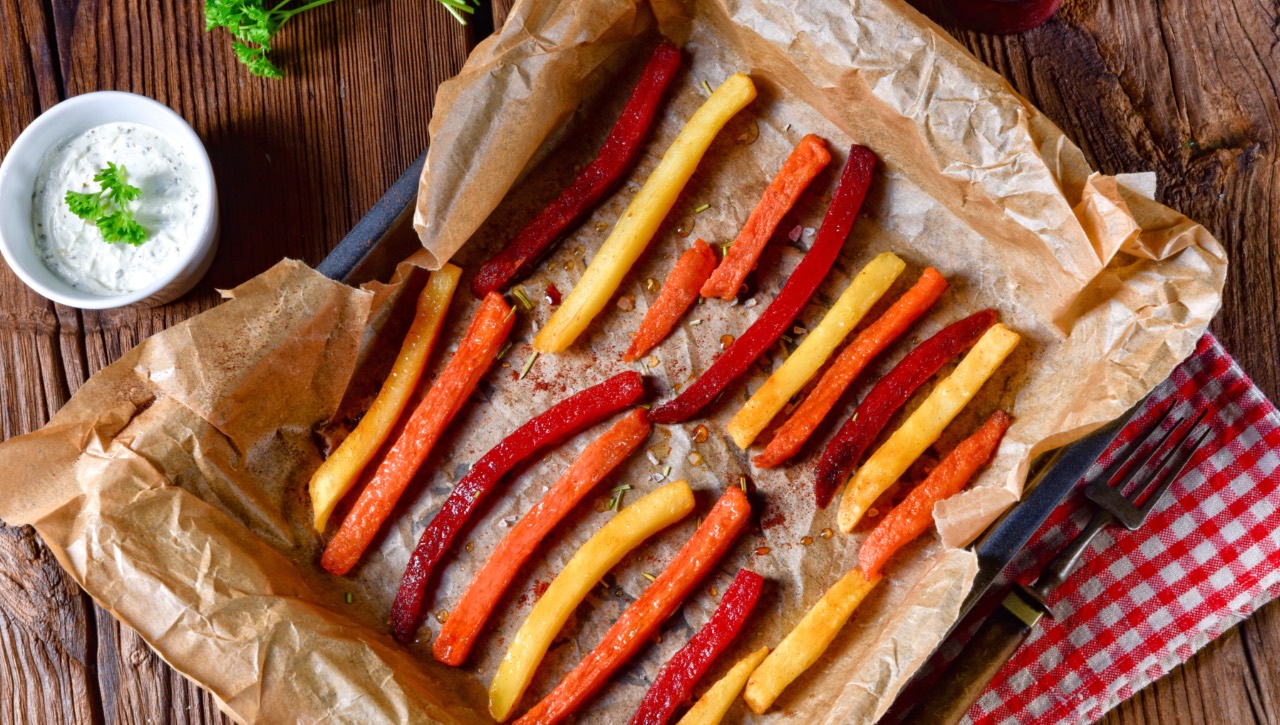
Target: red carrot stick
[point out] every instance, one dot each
(674, 683)
(615, 159)
(559, 422)
(849, 365)
(678, 292)
(890, 394)
(800, 286)
(639, 621)
(914, 515)
(479, 348)
(605, 453)
(809, 157)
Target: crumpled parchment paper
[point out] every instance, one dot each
(172, 486)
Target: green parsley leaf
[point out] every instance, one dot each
(254, 23)
(108, 207)
(86, 205)
(120, 226)
(115, 185)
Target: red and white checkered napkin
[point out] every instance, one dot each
(1144, 601)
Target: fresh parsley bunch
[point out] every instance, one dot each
(108, 207)
(253, 24)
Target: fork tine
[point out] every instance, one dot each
(1172, 469)
(1157, 433)
(1179, 435)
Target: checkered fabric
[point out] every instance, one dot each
(1142, 602)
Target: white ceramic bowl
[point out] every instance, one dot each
(21, 165)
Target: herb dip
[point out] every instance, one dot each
(73, 248)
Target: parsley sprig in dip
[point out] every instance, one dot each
(108, 208)
(115, 208)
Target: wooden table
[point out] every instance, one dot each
(1189, 88)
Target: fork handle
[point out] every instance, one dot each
(1060, 568)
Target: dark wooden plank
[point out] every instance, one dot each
(46, 642)
(1191, 90)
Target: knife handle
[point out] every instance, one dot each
(1005, 630)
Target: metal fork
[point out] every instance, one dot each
(1147, 469)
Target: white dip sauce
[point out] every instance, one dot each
(73, 247)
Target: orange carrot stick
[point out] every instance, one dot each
(809, 157)
(638, 623)
(594, 463)
(849, 365)
(678, 292)
(479, 348)
(914, 515)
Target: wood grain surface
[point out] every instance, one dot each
(1189, 88)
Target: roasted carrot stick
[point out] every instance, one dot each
(678, 292)
(594, 463)
(849, 365)
(837, 224)
(343, 467)
(674, 683)
(549, 428)
(914, 515)
(479, 348)
(889, 394)
(616, 157)
(809, 157)
(637, 624)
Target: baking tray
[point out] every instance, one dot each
(385, 236)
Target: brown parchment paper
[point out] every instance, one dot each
(172, 486)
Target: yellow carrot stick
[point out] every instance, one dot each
(805, 644)
(624, 532)
(923, 427)
(640, 221)
(716, 701)
(343, 467)
(863, 292)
